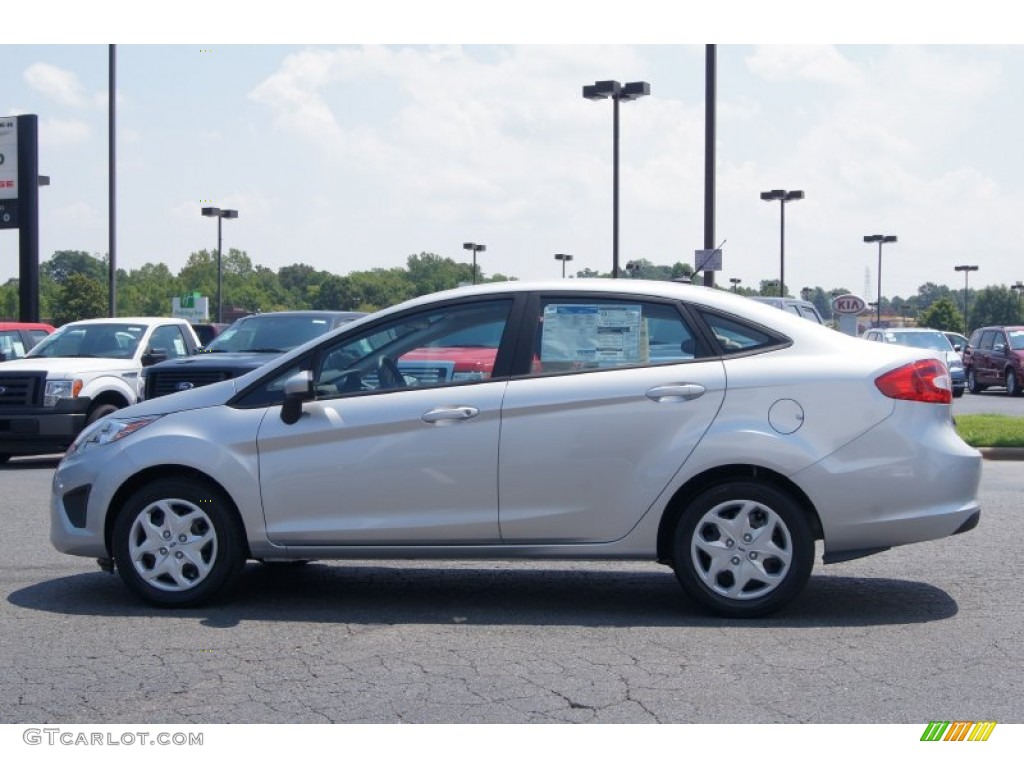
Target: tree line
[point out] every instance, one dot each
(73, 286)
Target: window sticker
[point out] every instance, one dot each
(593, 335)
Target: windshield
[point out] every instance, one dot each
(111, 340)
(923, 340)
(269, 333)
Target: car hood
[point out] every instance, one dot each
(219, 360)
(69, 367)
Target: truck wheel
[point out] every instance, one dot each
(97, 412)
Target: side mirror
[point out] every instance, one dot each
(957, 348)
(298, 389)
(153, 356)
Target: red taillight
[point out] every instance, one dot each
(925, 381)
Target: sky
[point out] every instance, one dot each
(355, 141)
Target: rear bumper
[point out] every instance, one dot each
(923, 482)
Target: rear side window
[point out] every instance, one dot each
(735, 336)
(579, 334)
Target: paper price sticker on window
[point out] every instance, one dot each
(594, 334)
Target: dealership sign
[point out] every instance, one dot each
(848, 304)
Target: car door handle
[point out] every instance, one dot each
(675, 393)
(446, 414)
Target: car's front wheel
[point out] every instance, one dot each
(178, 543)
(743, 549)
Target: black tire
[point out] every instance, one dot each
(97, 412)
(958, 392)
(4, 458)
(972, 383)
(178, 543)
(736, 576)
(1012, 383)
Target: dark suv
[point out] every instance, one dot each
(244, 346)
(995, 358)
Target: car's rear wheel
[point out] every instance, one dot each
(743, 549)
(972, 382)
(178, 543)
(1012, 383)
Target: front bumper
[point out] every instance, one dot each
(32, 431)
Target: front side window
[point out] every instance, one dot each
(449, 345)
(169, 339)
(579, 334)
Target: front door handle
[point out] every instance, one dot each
(675, 393)
(450, 414)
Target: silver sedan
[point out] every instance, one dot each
(582, 419)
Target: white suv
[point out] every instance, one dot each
(77, 375)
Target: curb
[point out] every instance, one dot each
(1002, 454)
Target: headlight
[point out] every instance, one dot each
(108, 430)
(60, 389)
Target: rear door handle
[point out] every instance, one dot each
(675, 393)
(450, 414)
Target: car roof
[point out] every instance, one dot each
(128, 320)
(18, 326)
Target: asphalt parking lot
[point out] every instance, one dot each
(925, 632)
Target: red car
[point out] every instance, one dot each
(18, 338)
(995, 358)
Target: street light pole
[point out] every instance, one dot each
(879, 239)
(220, 214)
(1018, 287)
(474, 247)
(563, 257)
(783, 196)
(966, 269)
(605, 89)
(735, 282)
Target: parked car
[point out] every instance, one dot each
(798, 307)
(244, 346)
(725, 460)
(958, 340)
(77, 375)
(995, 357)
(16, 339)
(925, 338)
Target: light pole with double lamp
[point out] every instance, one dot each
(783, 196)
(220, 214)
(879, 239)
(966, 269)
(735, 283)
(612, 89)
(563, 257)
(475, 248)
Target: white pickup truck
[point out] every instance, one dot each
(81, 373)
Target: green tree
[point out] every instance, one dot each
(430, 273)
(64, 264)
(81, 297)
(942, 315)
(994, 305)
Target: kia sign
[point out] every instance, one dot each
(848, 304)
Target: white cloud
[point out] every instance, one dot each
(58, 84)
(818, 63)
